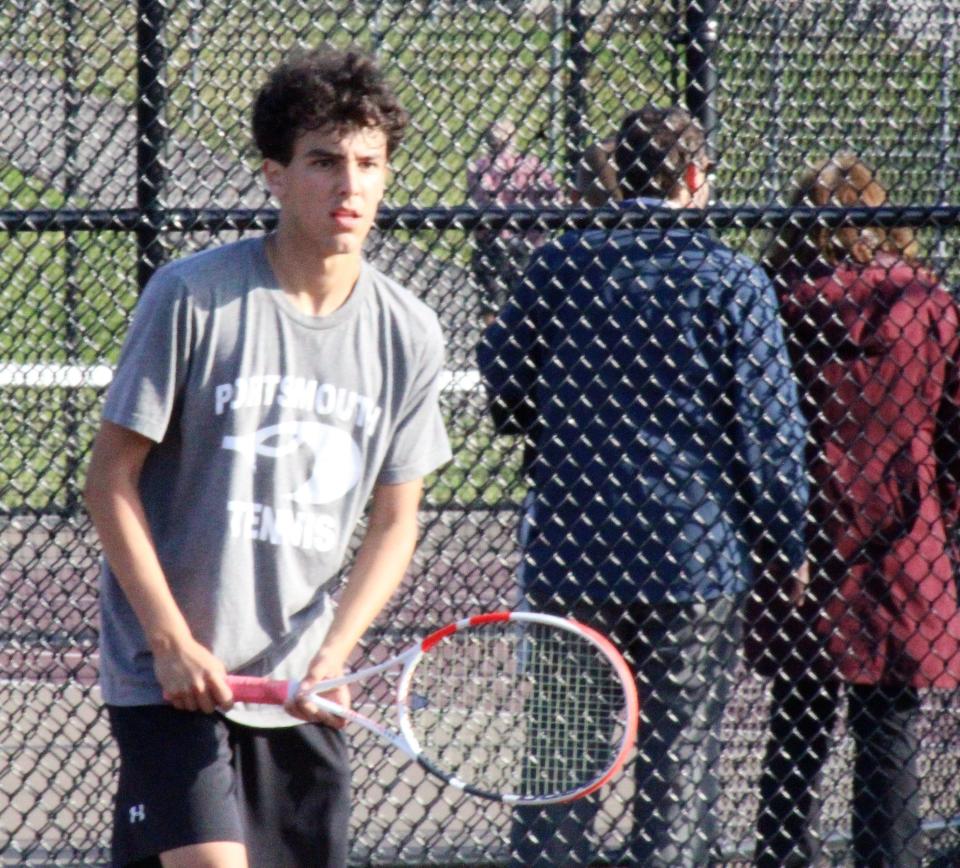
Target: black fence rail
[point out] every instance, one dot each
(124, 142)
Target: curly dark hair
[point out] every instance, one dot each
(318, 89)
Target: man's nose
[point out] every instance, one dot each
(350, 177)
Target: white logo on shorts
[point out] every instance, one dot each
(138, 813)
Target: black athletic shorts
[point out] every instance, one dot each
(192, 778)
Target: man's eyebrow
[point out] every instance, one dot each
(323, 152)
(320, 151)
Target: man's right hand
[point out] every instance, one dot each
(191, 677)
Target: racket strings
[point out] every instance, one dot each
(526, 709)
(570, 713)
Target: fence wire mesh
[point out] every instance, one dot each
(124, 142)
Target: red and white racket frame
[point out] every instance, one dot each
(278, 692)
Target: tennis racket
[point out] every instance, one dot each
(517, 707)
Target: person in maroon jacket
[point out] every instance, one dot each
(876, 349)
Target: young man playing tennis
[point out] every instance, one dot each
(267, 390)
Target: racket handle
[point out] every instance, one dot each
(266, 691)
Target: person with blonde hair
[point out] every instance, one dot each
(875, 344)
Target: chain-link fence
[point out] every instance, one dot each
(125, 141)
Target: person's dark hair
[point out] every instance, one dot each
(654, 147)
(322, 89)
(596, 180)
(842, 180)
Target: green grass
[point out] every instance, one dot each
(485, 470)
(64, 298)
(67, 298)
(46, 434)
(457, 69)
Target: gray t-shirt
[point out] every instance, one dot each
(272, 428)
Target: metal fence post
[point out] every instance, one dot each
(555, 90)
(772, 179)
(577, 69)
(948, 35)
(151, 134)
(672, 46)
(701, 71)
(72, 254)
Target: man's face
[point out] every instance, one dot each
(330, 190)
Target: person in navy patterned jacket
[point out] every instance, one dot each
(649, 369)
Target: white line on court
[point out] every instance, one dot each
(42, 375)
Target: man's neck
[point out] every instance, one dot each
(317, 283)
(679, 199)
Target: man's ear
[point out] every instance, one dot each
(275, 176)
(692, 178)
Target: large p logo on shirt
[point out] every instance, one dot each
(336, 457)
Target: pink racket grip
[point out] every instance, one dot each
(266, 691)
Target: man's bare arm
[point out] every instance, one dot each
(191, 677)
(380, 566)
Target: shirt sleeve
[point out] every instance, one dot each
(772, 430)
(154, 360)
(509, 352)
(419, 443)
